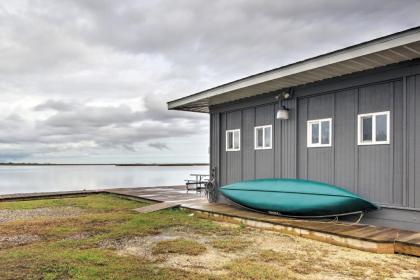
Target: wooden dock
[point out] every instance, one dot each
(358, 236)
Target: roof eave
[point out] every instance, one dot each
(200, 101)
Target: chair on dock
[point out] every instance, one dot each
(198, 183)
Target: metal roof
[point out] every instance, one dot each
(394, 48)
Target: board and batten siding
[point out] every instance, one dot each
(413, 135)
(373, 171)
(386, 174)
(248, 163)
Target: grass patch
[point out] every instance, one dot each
(47, 263)
(273, 256)
(179, 246)
(229, 245)
(98, 202)
(305, 268)
(247, 269)
(367, 269)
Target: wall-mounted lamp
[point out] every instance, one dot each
(282, 113)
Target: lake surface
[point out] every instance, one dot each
(23, 179)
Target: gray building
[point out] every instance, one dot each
(349, 118)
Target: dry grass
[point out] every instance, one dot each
(273, 256)
(179, 246)
(230, 245)
(246, 269)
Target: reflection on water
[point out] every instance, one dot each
(20, 179)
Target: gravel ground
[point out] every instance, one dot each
(29, 214)
(17, 240)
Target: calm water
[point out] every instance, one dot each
(21, 179)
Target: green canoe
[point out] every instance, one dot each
(294, 197)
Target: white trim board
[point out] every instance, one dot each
(255, 137)
(373, 142)
(309, 124)
(233, 149)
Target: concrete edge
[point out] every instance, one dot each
(41, 195)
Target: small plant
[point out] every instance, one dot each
(179, 246)
(273, 256)
(230, 245)
(247, 269)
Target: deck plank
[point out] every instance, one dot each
(157, 207)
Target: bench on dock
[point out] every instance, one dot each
(198, 183)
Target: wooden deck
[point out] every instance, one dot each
(359, 236)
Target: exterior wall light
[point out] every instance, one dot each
(282, 113)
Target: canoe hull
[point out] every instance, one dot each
(300, 198)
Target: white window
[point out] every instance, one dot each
(319, 133)
(233, 140)
(263, 137)
(373, 128)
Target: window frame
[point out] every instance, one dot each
(309, 124)
(256, 140)
(360, 141)
(233, 149)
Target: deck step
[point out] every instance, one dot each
(157, 207)
(409, 245)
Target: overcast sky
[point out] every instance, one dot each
(88, 81)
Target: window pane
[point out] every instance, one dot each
(230, 140)
(325, 132)
(267, 140)
(366, 128)
(315, 133)
(381, 128)
(259, 137)
(236, 140)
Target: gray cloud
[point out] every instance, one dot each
(88, 80)
(56, 105)
(159, 146)
(78, 127)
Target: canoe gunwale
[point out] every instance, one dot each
(278, 214)
(305, 193)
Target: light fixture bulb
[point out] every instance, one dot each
(282, 113)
